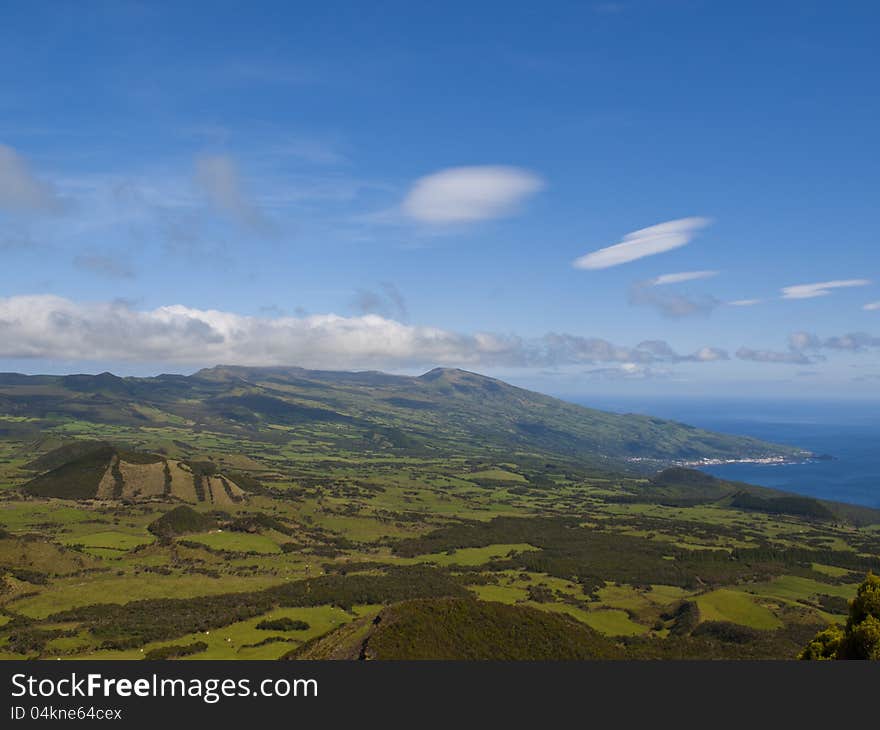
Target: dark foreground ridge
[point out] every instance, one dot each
(462, 629)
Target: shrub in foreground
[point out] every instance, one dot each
(860, 638)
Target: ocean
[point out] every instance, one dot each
(849, 431)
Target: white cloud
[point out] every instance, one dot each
(671, 304)
(645, 242)
(854, 341)
(708, 354)
(51, 327)
(820, 289)
(628, 371)
(872, 307)
(466, 194)
(801, 343)
(218, 178)
(20, 189)
(745, 302)
(681, 277)
(772, 356)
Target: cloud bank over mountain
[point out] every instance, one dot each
(45, 326)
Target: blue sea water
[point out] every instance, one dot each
(849, 431)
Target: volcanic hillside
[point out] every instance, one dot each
(96, 470)
(441, 413)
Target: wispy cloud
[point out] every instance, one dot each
(803, 341)
(745, 302)
(773, 356)
(645, 242)
(111, 266)
(21, 191)
(609, 8)
(218, 177)
(681, 277)
(629, 371)
(852, 341)
(313, 151)
(669, 303)
(654, 371)
(16, 240)
(872, 307)
(561, 349)
(806, 347)
(707, 354)
(820, 289)
(387, 301)
(662, 351)
(468, 194)
(674, 304)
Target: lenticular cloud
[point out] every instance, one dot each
(645, 242)
(465, 194)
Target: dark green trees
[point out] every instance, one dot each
(860, 638)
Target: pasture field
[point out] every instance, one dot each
(467, 556)
(243, 640)
(497, 475)
(109, 540)
(501, 593)
(830, 570)
(795, 587)
(735, 607)
(608, 621)
(237, 542)
(109, 587)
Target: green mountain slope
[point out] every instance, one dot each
(441, 412)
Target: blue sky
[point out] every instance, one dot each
(398, 185)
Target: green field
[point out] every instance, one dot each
(110, 540)
(70, 593)
(469, 556)
(239, 542)
(737, 608)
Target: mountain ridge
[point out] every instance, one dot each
(443, 410)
